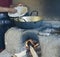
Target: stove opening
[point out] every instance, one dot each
(31, 39)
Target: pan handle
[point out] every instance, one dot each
(34, 11)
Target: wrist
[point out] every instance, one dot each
(6, 9)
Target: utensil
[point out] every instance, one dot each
(28, 22)
(21, 11)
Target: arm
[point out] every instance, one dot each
(5, 9)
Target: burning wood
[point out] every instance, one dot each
(34, 54)
(21, 54)
(33, 43)
(30, 45)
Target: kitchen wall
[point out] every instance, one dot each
(51, 8)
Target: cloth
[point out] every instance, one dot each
(5, 24)
(5, 3)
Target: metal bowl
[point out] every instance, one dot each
(21, 11)
(28, 19)
(28, 22)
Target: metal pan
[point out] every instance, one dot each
(28, 22)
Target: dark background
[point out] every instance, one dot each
(51, 8)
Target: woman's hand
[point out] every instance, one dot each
(12, 10)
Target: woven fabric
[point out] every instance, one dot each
(5, 3)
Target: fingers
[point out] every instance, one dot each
(20, 4)
(12, 10)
